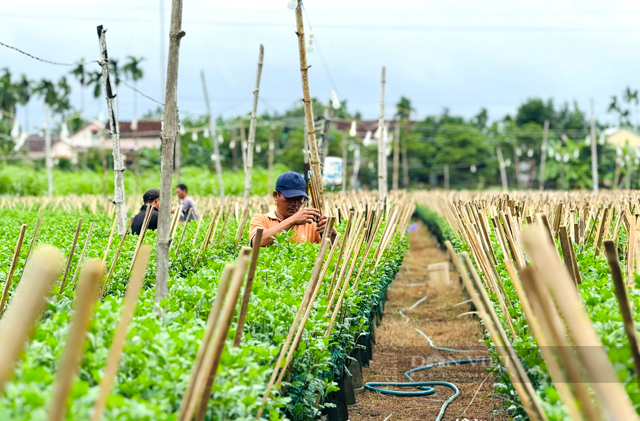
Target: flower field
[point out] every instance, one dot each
(163, 349)
(553, 278)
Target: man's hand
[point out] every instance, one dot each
(305, 216)
(322, 224)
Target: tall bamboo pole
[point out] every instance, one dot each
(252, 131)
(118, 166)
(272, 148)
(396, 157)
(382, 157)
(314, 159)
(405, 167)
(503, 173)
(168, 138)
(47, 150)
(344, 163)
(594, 152)
(543, 156)
(214, 137)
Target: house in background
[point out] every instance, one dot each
(94, 135)
(619, 137)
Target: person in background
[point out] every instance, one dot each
(289, 195)
(187, 203)
(151, 198)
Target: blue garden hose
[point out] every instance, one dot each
(425, 388)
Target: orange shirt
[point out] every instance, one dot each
(303, 233)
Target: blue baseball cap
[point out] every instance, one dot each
(291, 184)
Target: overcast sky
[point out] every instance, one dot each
(459, 54)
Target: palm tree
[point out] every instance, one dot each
(631, 97)
(24, 89)
(134, 72)
(80, 72)
(8, 94)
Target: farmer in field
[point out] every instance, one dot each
(151, 199)
(307, 223)
(187, 204)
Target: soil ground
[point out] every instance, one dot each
(399, 347)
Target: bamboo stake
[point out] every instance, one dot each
(342, 248)
(131, 297)
(33, 241)
(206, 376)
(247, 287)
(44, 269)
(212, 320)
(118, 165)
(12, 268)
(84, 250)
(83, 306)
(252, 131)
(623, 302)
(616, 402)
(183, 231)
(314, 161)
(73, 248)
(115, 258)
(143, 232)
(113, 226)
(169, 133)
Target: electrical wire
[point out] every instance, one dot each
(38, 58)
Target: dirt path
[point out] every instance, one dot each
(399, 347)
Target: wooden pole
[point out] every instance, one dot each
(243, 144)
(47, 150)
(272, 148)
(314, 158)
(623, 302)
(446, 176)
(207, 375)
(214, 137)
(84, 250)
(212, 320)
(503, 173)
(543, 153)
(594, 152)
(247, 287)
(106, 250)
(118, 166)
(17, 324)
(382, 156)
(73, 249)
(83, 305)
(12, 268)
(405, 166)
(168, 138)
(396, 156)
(252, 131)
(117, 344)
(177, 156)
(344, 163)
(33, 241)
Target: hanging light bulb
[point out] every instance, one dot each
(64, 130)
(530, 153)
(232, 144)
(551, 154)
(291, 5)
(182, 130)
(376, 135)
(367, 138)
(565, 158)
(371, 167)
(220, 139)
(206, 133)
(310, 45)
(473, 169)
(518, 152)
(637, 161)
(507, 163)
(619, 151)
(587, 140)
(271, 146)
(214, 157)
(602, 139)
(335, 102)
(15, 130)
(352, 130)
(258, 148)
(194, 136)
(576, 154)
(134, 125)
(557, 157)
